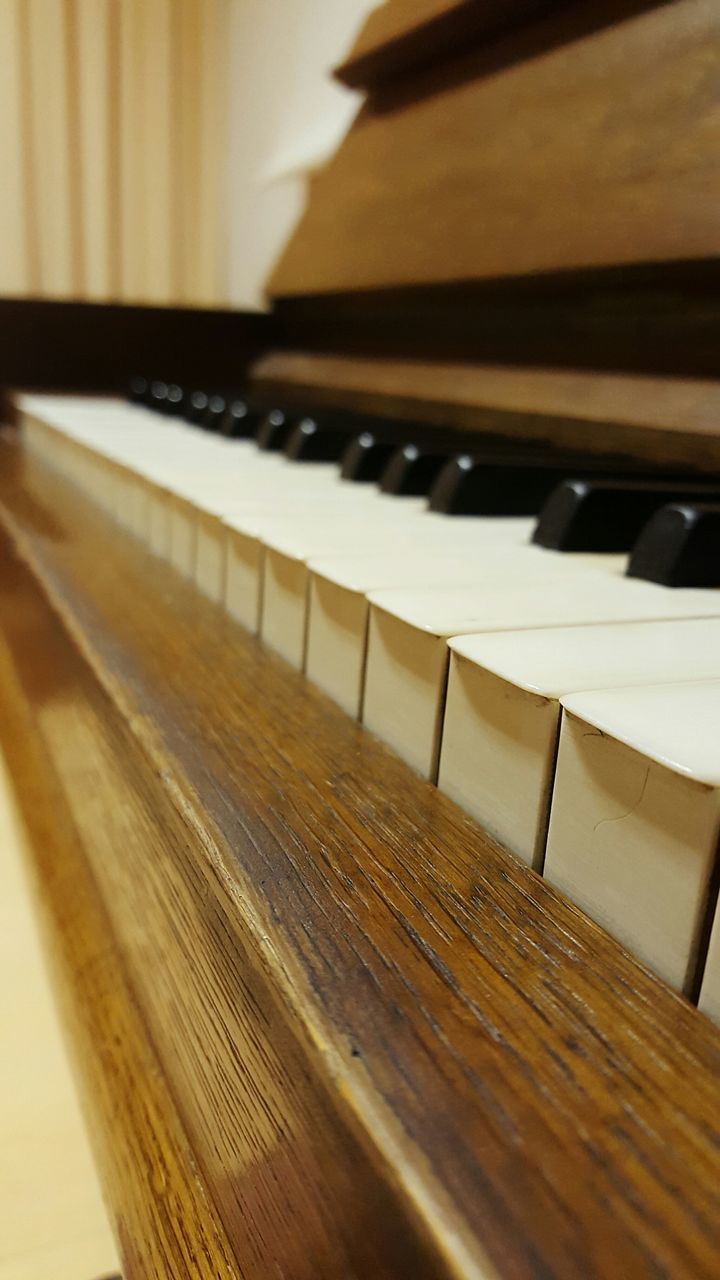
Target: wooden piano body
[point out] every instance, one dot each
(322, 1025)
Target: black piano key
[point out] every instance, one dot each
(274, 430)
(196, 407)
(139, 389)
(313, 441)
(679, 546)
(365, 458)
(411, 471)
(157, 396)
(240, 420)
(469, 486)
(175, 400)
(214, 414)
(608, 515)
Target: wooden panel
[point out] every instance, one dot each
(634, 319)
(529, 1099)
(662, 420)
(403, 35)
(552, 149)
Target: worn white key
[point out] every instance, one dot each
(408, 653)
(635, 817)
(502, 714)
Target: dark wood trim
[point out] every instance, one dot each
(97, 346)
(391, 46)
(650, 318)
(396, 44)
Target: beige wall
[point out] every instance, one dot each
(157, 150)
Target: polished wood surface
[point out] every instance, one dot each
(559, 146)
(392, 1049)
(402, 35)
(659, 420)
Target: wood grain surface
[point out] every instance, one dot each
(659, 420)
(393, 1050)
(584, 139)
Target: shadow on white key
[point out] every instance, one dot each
(485, 554)
(407, 658)
(635, 817)
(709, 1001)
(502, 715)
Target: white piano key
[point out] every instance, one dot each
(483, 551)
(396, 528)
(408, 655)
(213, 502)
(502, 714)
(635, 817)
(709, 1000)
(289, 544)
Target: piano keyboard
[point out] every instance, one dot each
(470, 623)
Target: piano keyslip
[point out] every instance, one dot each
(502, 714)
(635, 817)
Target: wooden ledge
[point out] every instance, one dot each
(632, 416)
(394, 1050)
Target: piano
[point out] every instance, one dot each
(361, 686)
